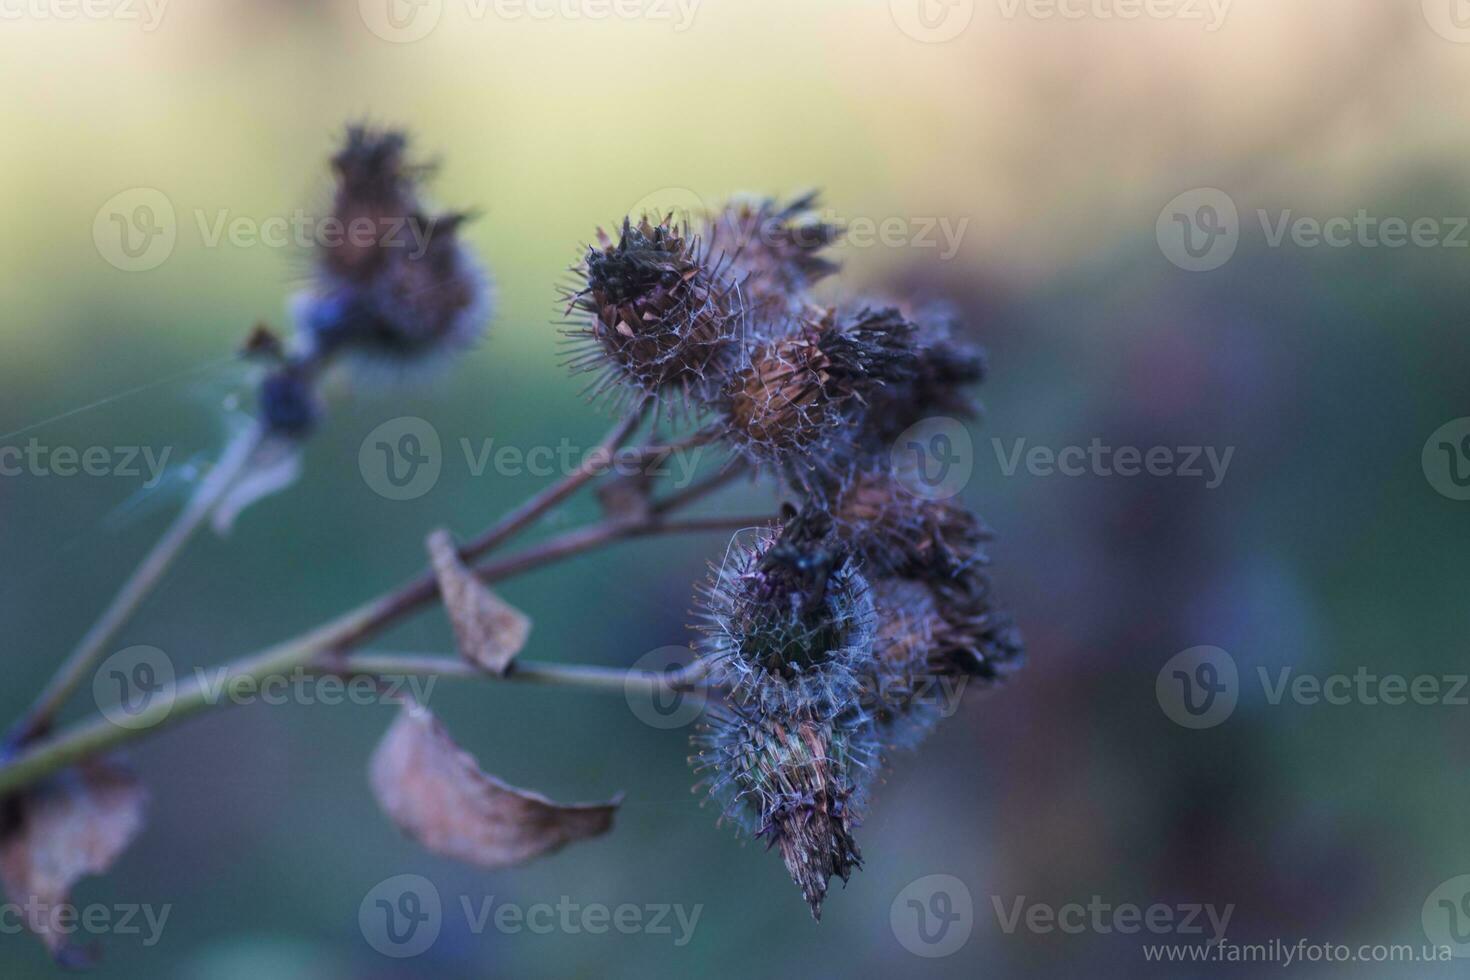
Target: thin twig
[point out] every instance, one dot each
(606, 679)
(191, 697)
(425, 587)
(594, 464)
(699, 489)
(145, 577)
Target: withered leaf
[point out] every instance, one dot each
(436, 793)
(54, 834)
(490, 631)
(275, 466)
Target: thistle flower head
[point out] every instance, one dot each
(376, 187)
(659, 314)
(901, 696)
(795, 779)
(787, 623)
(786, 403)
(944, 370)
(802, 397)
(941, 547)
(898, 533)
(778, 250)
(980, 639)
(873, 348)
(393, 281)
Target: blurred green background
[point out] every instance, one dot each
(1060, 142)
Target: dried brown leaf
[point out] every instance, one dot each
(490, 631)
(72, 825)
(437, 794)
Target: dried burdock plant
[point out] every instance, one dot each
(398, 284)
(779, 251)
(661, 316)
(826, 633)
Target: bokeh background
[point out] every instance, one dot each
(1059, 144)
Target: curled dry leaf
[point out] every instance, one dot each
(275, 466)
(54, 834)
(490, 631)
(436, 793)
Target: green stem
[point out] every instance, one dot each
(191, 697)
(74, 670)
(608, 680)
